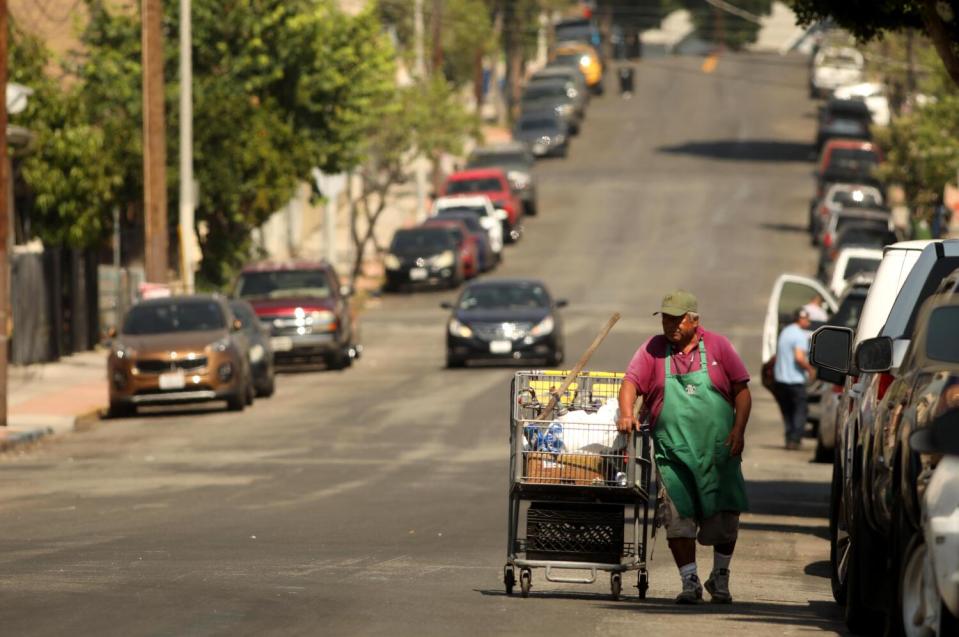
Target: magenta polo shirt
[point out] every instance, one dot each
(647, 368)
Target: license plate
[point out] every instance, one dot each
(500, 347)
(281, 343)
(172, 380)
(418, 274)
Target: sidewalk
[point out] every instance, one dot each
(52, 398)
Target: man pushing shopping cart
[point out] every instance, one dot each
(697, 400)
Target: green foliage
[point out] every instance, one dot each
(866, 19)
(736, 31)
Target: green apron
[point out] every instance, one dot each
(694, 464)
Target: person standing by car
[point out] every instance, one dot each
(697, 400)
(815, 310)
(792, 364)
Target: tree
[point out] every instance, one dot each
(869, 19)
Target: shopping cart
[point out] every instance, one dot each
(581, 488)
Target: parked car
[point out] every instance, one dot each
(493, 183)
(486, 257)
(306, 308)
(852, 261)
(178, 350)
(480, 207)
(579, 30)
(544, 133)
(839, 196)
(863, 234)
(423, 257)
(930, 574)
(466, 243)
(873, 94)
(584, 57)
(834, 67)
(893, 473)
(260, 351)
(851, 161)
(516, 159)
(568, 74)
(505, 319)
(847, 119)
(840, 219)
(914, 269)
(850, 302)
(556, 95)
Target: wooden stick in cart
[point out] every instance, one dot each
(554, 398)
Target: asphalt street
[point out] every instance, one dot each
(373, 501)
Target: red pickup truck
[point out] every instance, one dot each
(493, 183)
(306, 309)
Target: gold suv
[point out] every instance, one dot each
(176, 350)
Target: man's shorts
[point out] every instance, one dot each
(721, 528)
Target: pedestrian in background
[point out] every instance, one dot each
(792, 365)
(697, 401)
(815, 310)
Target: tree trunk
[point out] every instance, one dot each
(941, 37)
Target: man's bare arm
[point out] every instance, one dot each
(743, 403)
(627, 401)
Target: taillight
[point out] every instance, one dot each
(827, 239)
(885, 380)
(837, 389)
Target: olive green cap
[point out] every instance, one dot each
(678, 303)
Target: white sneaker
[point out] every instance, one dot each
(718, 586)
(692, 591)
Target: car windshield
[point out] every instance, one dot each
(504, 297)
(174, 316)
(845, 220)
(453, 211)
(858, 265)
(283, 284)
(849, 311)
(544, 124)
(422, 241)
(469, 218)
(465, 186)
(941, 341)
(857, 199)
(492, 160)
(866, 235)
(541, 91)
(456, 232)
(571, 59)
(575, 32)
(840, 60)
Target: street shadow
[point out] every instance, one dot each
(790, 228)
(823, 615)
(788, 498)
(760, 150)
(822, 568)
(822, 532)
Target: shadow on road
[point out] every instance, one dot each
(791, 228)
(788, 497)
(821, 532)
(822, 568)
(760, 150)
(816, 614)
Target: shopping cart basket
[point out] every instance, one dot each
(579, 491)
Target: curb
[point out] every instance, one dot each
(81, 422)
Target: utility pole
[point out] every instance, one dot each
(720, 26)
(4, 220)
(419, 71)
(154, 143)
(187, 205)
(436, 30)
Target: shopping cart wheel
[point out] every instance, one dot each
(509, 579)
(525, 581)
(643, 584)
(615, 585)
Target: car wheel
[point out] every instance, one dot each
(823, 453)
(916, 597)
(453, 362)
(250, 393)
(121, 410)
(531, 208)
(862, 583)
(268, 388)
(237, 402)
(838, 535)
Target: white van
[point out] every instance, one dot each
(850, 261)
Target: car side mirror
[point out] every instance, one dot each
(831, 349)
(446, 305)
(347, 290)
(560, 303)
(874, 355)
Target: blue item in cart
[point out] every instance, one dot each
(553, 440)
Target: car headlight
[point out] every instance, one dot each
(392, 262)
(322, 319)
(122, 351)
(444, 260)
(559, 139)
(564, 109)
(544, 327)
(520, 180)
(459, 329)
(256, 353)
(220, 345)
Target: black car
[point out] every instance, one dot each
(505, 319)
(556, 95)
(423, 256)
(516, 160)
(843, 118)
(868, 234)
(544, 133)
(260, 352)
